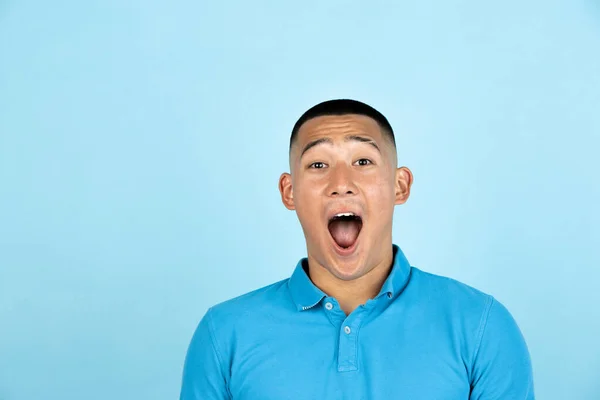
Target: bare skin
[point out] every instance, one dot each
(353, 167)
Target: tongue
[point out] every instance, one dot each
(344, 232)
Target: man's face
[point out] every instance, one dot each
(344, 185)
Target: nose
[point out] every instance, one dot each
(341, 182)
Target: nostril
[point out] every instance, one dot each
(348, 192)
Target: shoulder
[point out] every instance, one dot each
(450, 292)
(492, 333)
(250, 306)
(458, 307)
(461, 297)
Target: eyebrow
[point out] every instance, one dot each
(348, 138)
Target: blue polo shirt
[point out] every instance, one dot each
(423, 337)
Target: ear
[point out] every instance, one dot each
(404, 180)
(286, 190)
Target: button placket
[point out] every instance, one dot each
(333, 312)
(348, 341)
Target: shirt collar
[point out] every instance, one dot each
(306, 295)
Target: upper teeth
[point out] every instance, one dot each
(348, 214)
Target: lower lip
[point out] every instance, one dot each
(348, 251)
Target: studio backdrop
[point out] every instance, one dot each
(141, 144)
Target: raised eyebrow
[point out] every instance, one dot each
(314, 143)
(362, 139)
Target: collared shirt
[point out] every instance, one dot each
(423, 337)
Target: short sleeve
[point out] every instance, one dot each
(502, 365)
(204, 376)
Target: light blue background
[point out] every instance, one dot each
(141, 143)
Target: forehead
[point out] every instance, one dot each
(337, 126)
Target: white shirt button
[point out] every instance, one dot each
(328, 306)
(347, 330)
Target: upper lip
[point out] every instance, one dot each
(344, 209)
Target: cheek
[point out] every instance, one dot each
(380, 197)
(307, 192)
(381, 191)
(308, 209)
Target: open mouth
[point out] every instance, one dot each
(344, 229)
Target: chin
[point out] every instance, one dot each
(346, 275)
(345, 267)
(345, 264)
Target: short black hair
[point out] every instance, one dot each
(343, 107)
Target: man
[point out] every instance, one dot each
(355, 320)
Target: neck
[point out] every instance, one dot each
(352, 293)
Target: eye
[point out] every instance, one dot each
(364, 161)
(317, 165)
